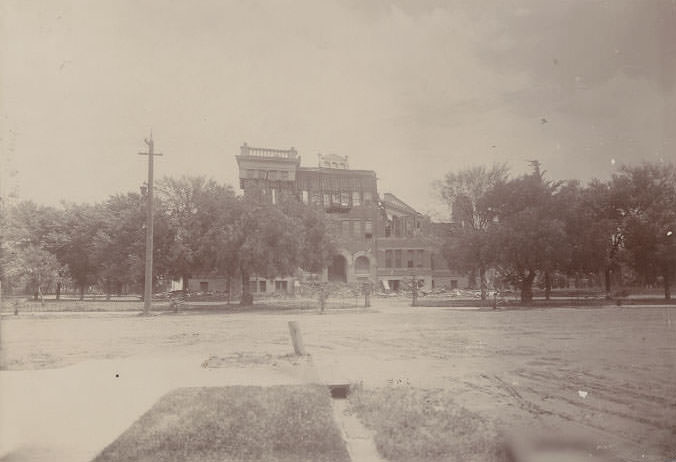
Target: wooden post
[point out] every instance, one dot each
(148, 284)
(367, 294)
(414, 292)
(296, 338)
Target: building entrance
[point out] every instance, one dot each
(338, 269)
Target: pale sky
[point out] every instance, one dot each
(410, 89)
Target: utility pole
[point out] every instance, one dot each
(148, 287)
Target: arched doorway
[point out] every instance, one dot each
(338, 269)
(362, 266)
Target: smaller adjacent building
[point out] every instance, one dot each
(409, 249)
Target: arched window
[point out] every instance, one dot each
(362, 265)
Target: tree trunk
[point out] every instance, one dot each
(548, 285)
(82, 291)
(228, 287)
(35, 295)
(609, 282)
(471, 280)
(527, 288)
(482, 277)
(667, 285)
(247, 298)
(58, 291)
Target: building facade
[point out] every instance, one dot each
(409, 249)
(380, 240)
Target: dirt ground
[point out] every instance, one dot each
(610, 372)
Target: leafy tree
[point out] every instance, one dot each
(649, 213)
(34, 268)
(530, 237)
(254, 237)
(4, 245)
(31, 224)
(25, 230)
(73, 242)
(470, 245)
(317, 241)
(269, 242)
(222, 240)
(119, 243)
(596, 226)
(192, 206)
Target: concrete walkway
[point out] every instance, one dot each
(359, 440)
(74, 412)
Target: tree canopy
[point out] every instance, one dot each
(528, 226)
(200, 227)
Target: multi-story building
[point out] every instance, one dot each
(383, 241)
(349, 197)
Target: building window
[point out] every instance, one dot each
(335, 198)
(251, 173)
(272, 175)
(362, 265)
(306, 197)
(285, 175)
(316, 198)
(396, 226)
(345, 199)
(388, 259)
(356, 228)
(368, 197)
(356, 199)
(262, 174)
(368, 229)
(204, 286)
(262, 286)
(253, 286)
(397, 258)
(409, 260)
(346, 228)
(419, 258)
(281, 286)
(454, 284)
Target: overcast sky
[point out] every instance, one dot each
(410, 89)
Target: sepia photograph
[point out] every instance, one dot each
(337, 230)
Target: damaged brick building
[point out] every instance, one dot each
(380, 239)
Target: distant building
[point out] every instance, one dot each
(384, 241)
(409, 247)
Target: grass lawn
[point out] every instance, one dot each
(277, 424)
(415, 425)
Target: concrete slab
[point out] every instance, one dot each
(359, 439)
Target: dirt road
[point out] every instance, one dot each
(609, 371)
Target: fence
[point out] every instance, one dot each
(337, 296)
